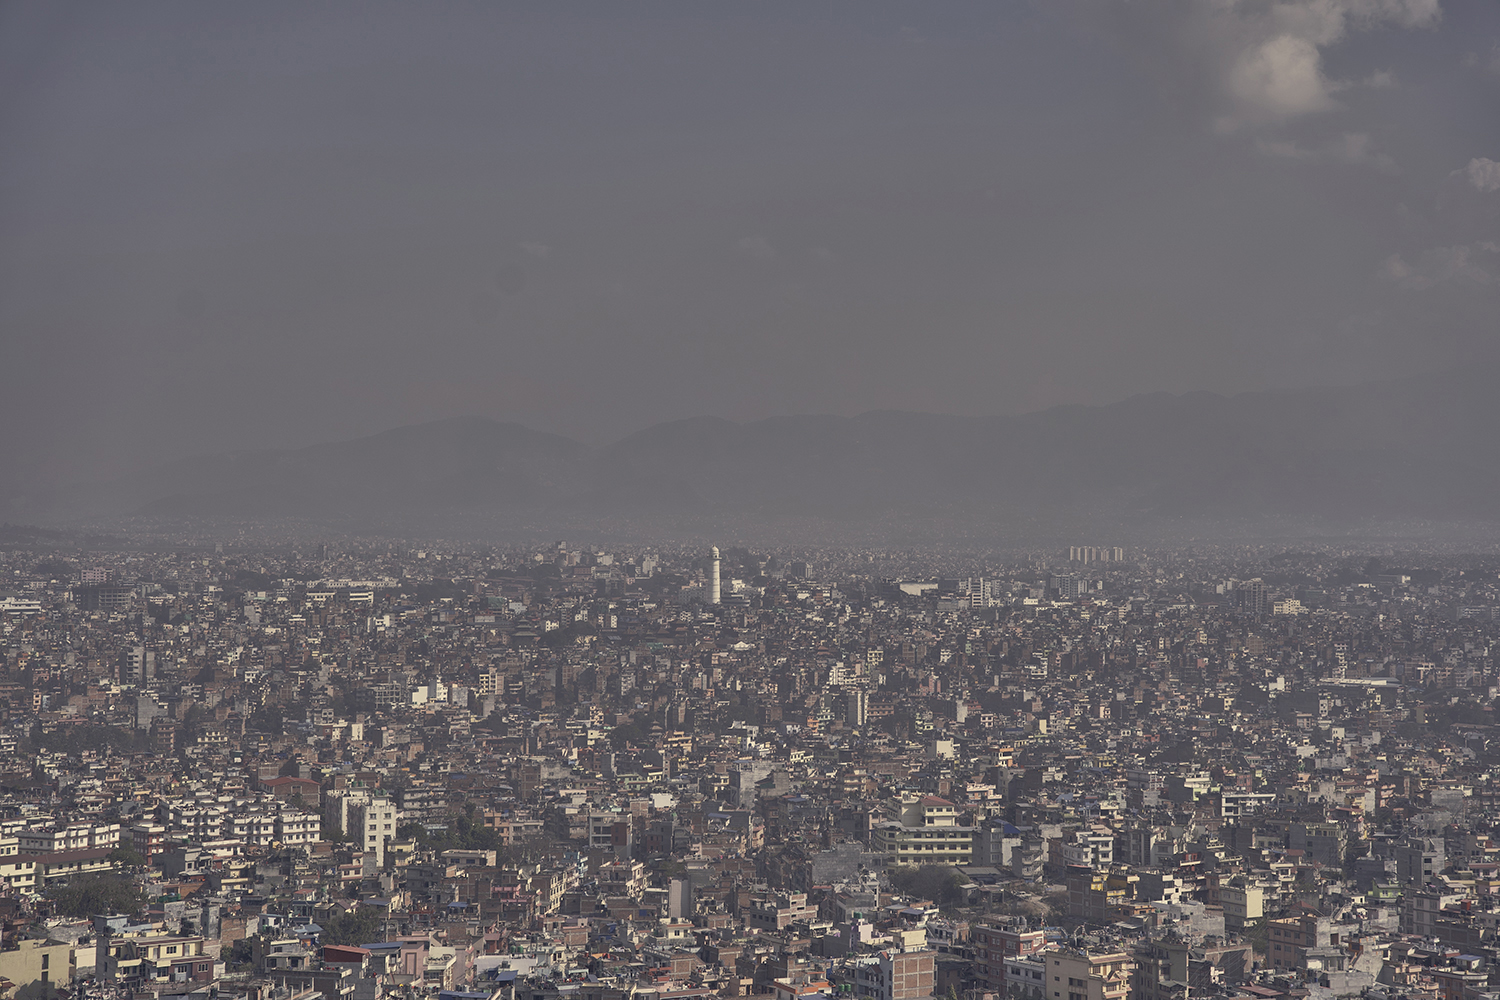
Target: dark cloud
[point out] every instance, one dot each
(223, 227)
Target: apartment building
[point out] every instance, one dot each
(72, 837)
(922, 830)
(156, 958)
(622, 878)
(995, 947)
(37, 965)
(368, 818)
(895, 976)
(16, 871)
(1082, 975)
(777, 911)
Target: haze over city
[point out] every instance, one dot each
(271, 226)
(763, 501)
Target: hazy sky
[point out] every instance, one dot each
(236, 225)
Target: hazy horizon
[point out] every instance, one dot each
(270, 226)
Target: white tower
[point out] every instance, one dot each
(713, 577)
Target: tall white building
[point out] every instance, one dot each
(368, 819)
(857, 708)
(713, 577)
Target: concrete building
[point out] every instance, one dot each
(893, 976)
(922, 830)
(1081, 975)
(1418, 859)
(38, 967)
(368, 819)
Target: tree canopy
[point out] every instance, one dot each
(360, 925)
(87, 895)
(939, 883)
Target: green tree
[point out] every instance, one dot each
(359, 925)
(240, 955)
(414, 832)
(634, 731)
(939, 883)
(90, 894)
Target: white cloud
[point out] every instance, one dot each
(1395, 269)
(1441, 265)
(1271, 55)
(1484, 174)
(1281, 77)
(1356, 148)
(1489, 64)
(1381, 80)
(1350, 148)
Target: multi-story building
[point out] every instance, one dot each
(1099, 897)
(922, 830)
(146, 839)
(422, 802)
(1419, 859)
(1243, 905)
(72, 837)
(777, 911)
(610, 831)
(1145, 845)
(895, 976)
(16, 871)
(512, 828)
(1322, 842)
(153, 958)
(38, 966)
(367, 818)
(1082, 975)
(550, 884)
(994, 946)
(297, 828)
(1090, 848)
(1171, 968)
(1026, 978)
(622, 878)
(256, 827)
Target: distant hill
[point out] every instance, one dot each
(1425, 447)
(456, 464)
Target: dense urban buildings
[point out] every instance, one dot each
(363, 769)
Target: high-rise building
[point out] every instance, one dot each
(1095, 553)
(680, 899)
(368, 819)
(1252, 597)
(979, 592)
(857, 708)
(1069, 587)
(713, 577)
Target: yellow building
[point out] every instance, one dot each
(1080, 975)
(151, 958)
(922, 830)
(37, 967)
(19, 871)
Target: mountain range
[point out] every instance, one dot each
(1426, 447)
